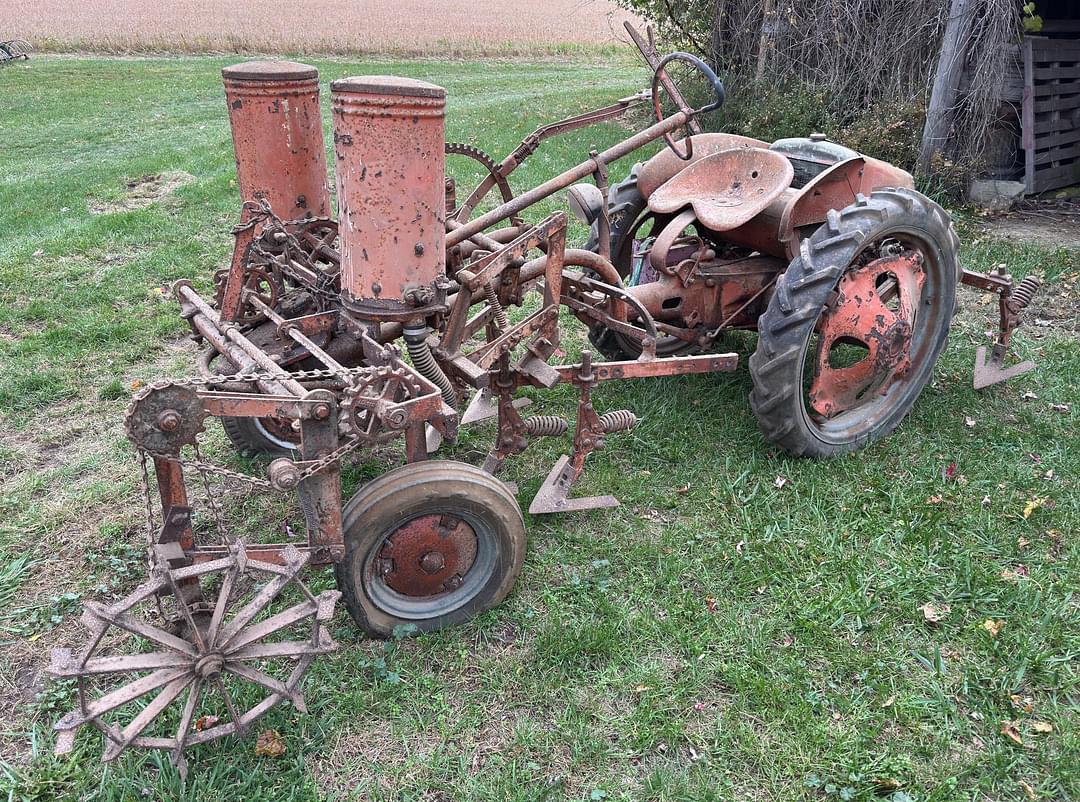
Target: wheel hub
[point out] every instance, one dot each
(428, 555)
(875, 311)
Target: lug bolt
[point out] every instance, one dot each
(168, 420)
(433, 562)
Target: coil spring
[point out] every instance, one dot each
(426, 365)
(496, 306)
(1022, 294)
(546, 425)
(618, 420)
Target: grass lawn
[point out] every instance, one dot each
(721, 635)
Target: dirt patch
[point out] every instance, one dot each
(143, 192)
(1044, 231)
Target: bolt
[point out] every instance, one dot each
(433, 562)
(283, 474)
(168, 420)
(376, 288)
(453, 583)
(418, 249)
(321, 411)
(386, 567)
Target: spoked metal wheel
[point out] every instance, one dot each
(240, 653)
(430, 544)
(858, 320)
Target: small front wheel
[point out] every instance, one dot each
(432, 544)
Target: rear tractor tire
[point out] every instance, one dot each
(857, 321)
(259, 436)
(432, 544)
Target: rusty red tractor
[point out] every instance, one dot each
(414, 312)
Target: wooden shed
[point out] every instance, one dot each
(1037, 139)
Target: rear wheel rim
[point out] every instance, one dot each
(918, 267)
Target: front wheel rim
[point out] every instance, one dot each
(403, 591)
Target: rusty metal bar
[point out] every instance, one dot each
(284, 325)
(574, 174)
(207, 316)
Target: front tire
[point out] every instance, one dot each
(432, 544)
(788, 366)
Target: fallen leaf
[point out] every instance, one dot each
(934, 615)
(740, 546)
(1059, 407)
(993, 627)
(1013, 574)
(1034, 457)
(270, 744)
(206, 722)
(1022, 542)
(1022, 703)
(986, 501)
(710, 602)
(934, 500)
(950, 471)
(1042, 727)
(969, 422)
(1033, 505)
(699, 706)
(135, 385)
(683, 489)
(1008, 729)
(779, 482)
(1028, 790)
(1049, 474)
(642, 688)
(889, 702)
(786, 641)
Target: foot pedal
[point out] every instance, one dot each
(992, 372)
(553, 495)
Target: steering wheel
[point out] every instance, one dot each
(660, 76)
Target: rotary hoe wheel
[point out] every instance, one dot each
(238, 654)
(857, 322)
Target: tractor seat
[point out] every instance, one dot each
(728, 188)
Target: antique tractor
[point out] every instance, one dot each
(414, 313)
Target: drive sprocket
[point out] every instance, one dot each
(462, 211)
(163, 417)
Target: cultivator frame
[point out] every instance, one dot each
(304, 357)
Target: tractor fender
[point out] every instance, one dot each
(835, 188)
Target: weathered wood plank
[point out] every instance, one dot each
(950, 66)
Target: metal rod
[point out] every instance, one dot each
(207, 316)
(298, 336)
(583, 170)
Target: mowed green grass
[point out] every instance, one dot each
(724, 634)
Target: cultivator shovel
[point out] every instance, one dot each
(1012, 300)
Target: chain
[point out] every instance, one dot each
(250, 377)
(218, 521)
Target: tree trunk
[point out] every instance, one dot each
(954, 48)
